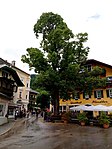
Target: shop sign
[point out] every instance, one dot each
(76, 102)
(102, 101)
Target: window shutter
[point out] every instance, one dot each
(95, 94)
(83, 95)
(78, 95)
(89, 96)
(107, 92)
(101, 93)
(73, 96)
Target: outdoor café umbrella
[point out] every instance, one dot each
(100, 108)
(90, 108)
(110, 108)
(78, 108)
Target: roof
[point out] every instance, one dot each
(33, 91)
(97, 62)
(2, 61)
(13, 73)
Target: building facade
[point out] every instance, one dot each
(21, 97)
(101, 96)
(9, 82)
(32, 100)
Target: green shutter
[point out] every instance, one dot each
(83, 95)
(101, 93)
(78, 95)
(107, 92)
(95, 94)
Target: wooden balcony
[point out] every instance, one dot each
(7, 86)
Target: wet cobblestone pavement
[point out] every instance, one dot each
(42, 135)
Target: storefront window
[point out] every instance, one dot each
(1, 110)
(10, 111)
(60, 108)
(64, 108)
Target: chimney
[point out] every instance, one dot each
(13, 63)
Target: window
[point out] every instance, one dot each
(88, 67)
(20, 94)
(109, 79)
(103, 72)
(86, 96)
(98, 94)
(5, 74)
(10, 111)
(60, 108)
(27, 85)
(1, 110)
(26, 96)
(77, 96)
(64, 108)
(109, 92)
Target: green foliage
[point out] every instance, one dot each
(104, 119)
(66, 116)
(49, 113)
(35, 59)
(43, 99)
(110, 116)
(32, 82)
(59, 59)
(82, 117)
(88, 81)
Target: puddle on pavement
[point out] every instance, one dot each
(27, 136)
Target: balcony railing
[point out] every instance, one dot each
(7, 86)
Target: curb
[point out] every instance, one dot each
(16, 127)
(12, 130)
(3, 133)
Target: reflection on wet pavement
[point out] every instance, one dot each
(41, 135)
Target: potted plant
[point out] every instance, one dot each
(66, 117)
(82, 118)
(104, 120)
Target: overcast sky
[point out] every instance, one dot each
(17, 18)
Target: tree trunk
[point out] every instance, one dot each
(56, 102)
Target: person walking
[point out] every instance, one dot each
(27, 114)
(37, 114)
(16, 114)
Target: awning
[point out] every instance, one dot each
(12, 105)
